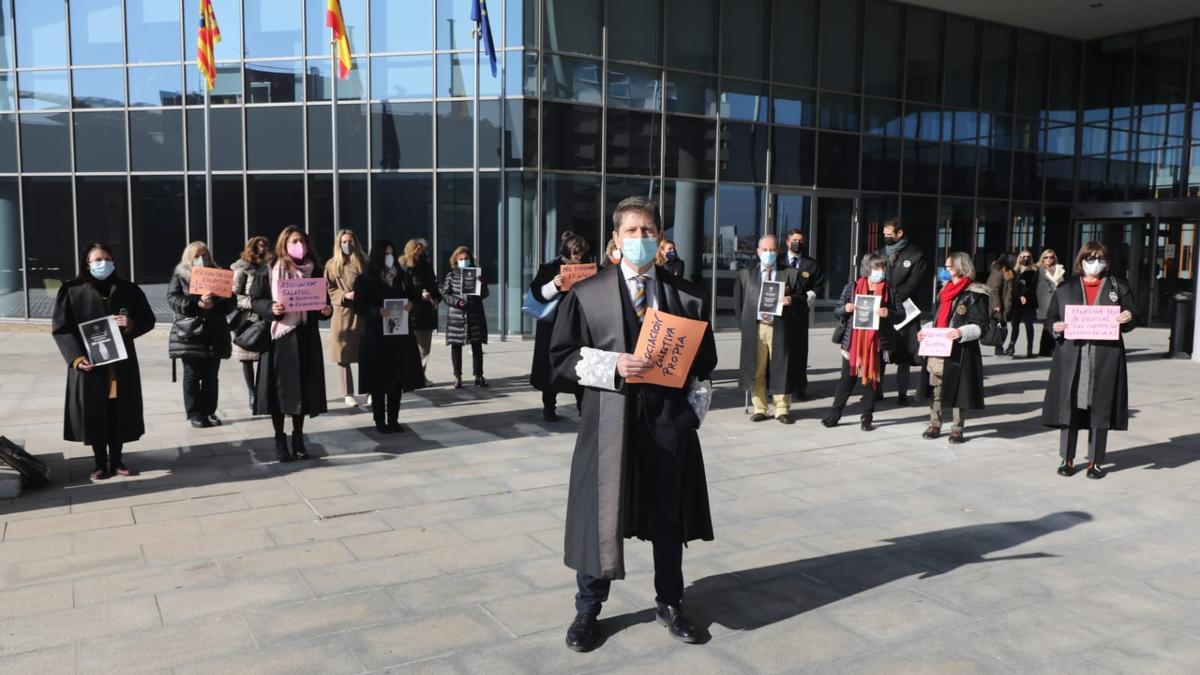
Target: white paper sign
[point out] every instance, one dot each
(102, 340)
(770, 298)
(396, 322)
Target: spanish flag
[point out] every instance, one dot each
(341, 41)
(208, 35)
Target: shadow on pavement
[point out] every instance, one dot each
(1177, 452)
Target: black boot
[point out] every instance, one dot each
(298, 448)
(480, 382)
(281, 448)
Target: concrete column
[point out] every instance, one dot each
(687, 225)
(10, 246)
(517, 249)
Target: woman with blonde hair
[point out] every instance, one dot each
(245, 268)
(199, 336)
(345, 329)
(1051, 275)
(612, 255)
(423, 319)
(466, 322)
(668, 257)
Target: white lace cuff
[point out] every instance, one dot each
(969, 332)
(699, 397)
(549, 291)
(597, 368)
(812, 295)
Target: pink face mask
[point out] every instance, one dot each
(297, 249)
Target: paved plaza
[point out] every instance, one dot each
(440, 550)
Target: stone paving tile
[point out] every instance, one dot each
(403, 642)
(53, 660)
(42, 548)
(440, 593)
(66, 524)
(131, 535)
(66, 569)
(184, 604)
(330, 579)
(325, 656)
(280, 559)
(319, 617)
(478, 555)
(507, 525)
(28, 600)
(256, 518)
(206, 547)
(189, 508)
(319, 530)
(408, 540)
(64, 627)
(166, 647)
(100, 589)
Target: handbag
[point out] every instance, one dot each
(188, 328)
(995, 334)
(840, 332)
(538, 310)
(254, 336)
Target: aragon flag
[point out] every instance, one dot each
(207, 36)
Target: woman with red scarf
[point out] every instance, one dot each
(957, 380)
(863, 350)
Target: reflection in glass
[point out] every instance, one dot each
(797, 107)
(881, 164)
(882, 46)
(402, 206)
(521, 71)
(572, 204)
(401, 77)
(882, 117)
(275, 82)
(49, 240)
(691, 147)
(12, 287)
(6, 91)
(8, 143)
(41, 29)
(634, 142)
(923, 54)
(228, 89)
(956, 226)
(100, 141)
(744, 152)
(836, 161)
(996, 68)
(156, 140)
(961, 71)
(692, 39)
(794, 41)
(634, 30)
(693, 94)
(835, 226)
(274, 201)
(744, 51)
(793, 157)
(839, 112)
(639, 88)
(740, 221)
(226, 124)
(454, 24)
(454, 134)
(840, 58)
(923, 122)
(352, 208)
(320, 130)
(352, 136)
(571, 79)
(45, 142)
(43, 90)
(1031, 73)
(402, 27)
(921, 166)
(958, 169)
(159, 227)
(102, 209)
(153, 30)
(273, 28)
(354, 13)
(96, 33)
(229, 19)
(1026, 181)
(320, 81)
(98, 88)
(456, 76)
(743, 101)
(155, 86)
(455, 216)
(6, 41)
(400, 135)
(570, 25)
(571, 136)
(229, 217)
(994, 169)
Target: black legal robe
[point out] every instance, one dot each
(782, 373)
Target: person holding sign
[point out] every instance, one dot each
(390, 361)
(199, 334)
(547, 286)
(103, 403)
(245, 269)
(767, 331)
(466, 322)
(1088, 387)
(291, 374)
(864, 349)
(963, 307)
(637, 470)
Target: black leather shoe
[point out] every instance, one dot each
(956, 436)
(865, 423)
(281, 448)
(1010, 351)
(581, 635)
(677, 624)
(1066, 469)
(759, 417)
(298, 448)
(199, 422)
(396, 428)
(785, 419)
(383, 428)
(830, 422)
(458, 383)
(1095, 472)
(480, 382)
(902, 400)
(932, 432)
(213, 420)
(549, 415)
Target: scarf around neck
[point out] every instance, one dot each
(865, 356)
(285, 324)
(892, 249)
(946, 297)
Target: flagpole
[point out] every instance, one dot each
(208, 196)
(477, 33)
(334, 127)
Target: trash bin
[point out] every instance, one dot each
(1180, 343)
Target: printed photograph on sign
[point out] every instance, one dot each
(770, 298)
(396, 321)
(470, 280)
(670, 343)
(866, 312)
(102, 340)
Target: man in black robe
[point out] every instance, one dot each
(765, 364)
(810, 278)
(637, 470)
(908, 277)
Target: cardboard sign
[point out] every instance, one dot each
(866, 312)
(211, 280)
(1092, 322)
(470, 280)
(102, 340)
(573, 274)
(671, 343)
(770, 298)
(396, 322)
(936, 342)
(303, 295)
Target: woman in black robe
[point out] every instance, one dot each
(104, 403)
(546, 287)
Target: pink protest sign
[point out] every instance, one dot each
(936, 342)
(1092, 322)
(303, 295)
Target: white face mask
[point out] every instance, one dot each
(198, 262)
(389, 260)
(346, 249)
(464, 264)
(1093, 269)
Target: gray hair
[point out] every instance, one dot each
(962, 264)
(869, 262)
(768, 236)
(638, 205)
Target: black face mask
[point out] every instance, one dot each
(795, 247)
(888, 241)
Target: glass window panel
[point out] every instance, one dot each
(692, 39)
(837, 165)
(228, 89)
(102, 211)
(571, 137)
(155, 86)
(520, 23)
(840, 58)
(274, 138)
(740, 221)
(153, 30)
(96, 32)
(354, 13)
(402, 206)
(159, 228)
(1162, 66)
(455, 135)
(881, 164)
(400, 135)
(572, 204)
(744, 101)
(100, 141)
(50, 240)
(744, 46)
(521, 71)
(1031, 73)
(923, 122)
(41, 29)
(570, 25)
(634, 140)
(1001, 131)
(693, 94)
(45, 142)
(275, 82)
(994, 169)
(996, 68)
(921, 166)
(960, 126)
(1108, 78)
(229, 219)
(456, 76)
(1060, 178)
(402, 77)
(226, 124)
(691, 147)
(839, 112)
(923, 55)
(352, 208)
(1027, 182)
(744, 152)
(619, 188)
(12, 286)
(321, 80)
(883, 44)
(638, 88)
(882, 118)
(8, 143)
(797, 107)
(6, 41)
(687, 212)
(1026, 134)
(634, 30)
(962, 62)
(320, 132)
(274, 201)
(794, 156)
(98, 88)
(273, 28)
(352, 136)
(398, 26)
(7, 80)
(1060, 140)
(991, 233)
(1063, 80)
(520, 136)
(43, 90)
(571, 79)
(229, 20)
(454, 24)
(455, 217)
(794, 41)
(156, 140)
(958, 169)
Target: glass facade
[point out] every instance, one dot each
(739, 118)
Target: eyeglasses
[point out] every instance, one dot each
(1094, 258)
(1047, 257)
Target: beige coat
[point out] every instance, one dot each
(345, 327)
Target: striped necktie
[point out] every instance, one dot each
(639, 296)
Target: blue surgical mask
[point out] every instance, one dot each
(389, 260)
(101, 269)
(944, 275)
(464, 264)
(639, 252)
(767, 258)
(876, 276)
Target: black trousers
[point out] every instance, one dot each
(845, 387)
(107, 454)
(1068, 438)
(385, 403)
(476, 359)
(200, 386)
(1023, 315)
(902, 378)
(550, 400)
(664, 470)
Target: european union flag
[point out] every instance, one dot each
(479, 15)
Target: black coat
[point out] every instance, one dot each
(908, 277)
(424, 315)
(609, 497)
(1110, 384)
(291, 373)
(746, 289)
(85, 413)
(1025, 285)
(887, 330)
(676, 266)
(213, 341)
(466, 322)
(811, 278)
(384, 358)
(962, 377)
(541, 375)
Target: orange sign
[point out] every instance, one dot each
(573, 274)
(671, 343)
(211, 280)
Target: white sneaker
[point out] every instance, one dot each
(351, 401)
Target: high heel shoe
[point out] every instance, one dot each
(458, 382)
(298, 448)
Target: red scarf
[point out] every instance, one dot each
(1091, 289)
(946, 300)
(865, 358)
